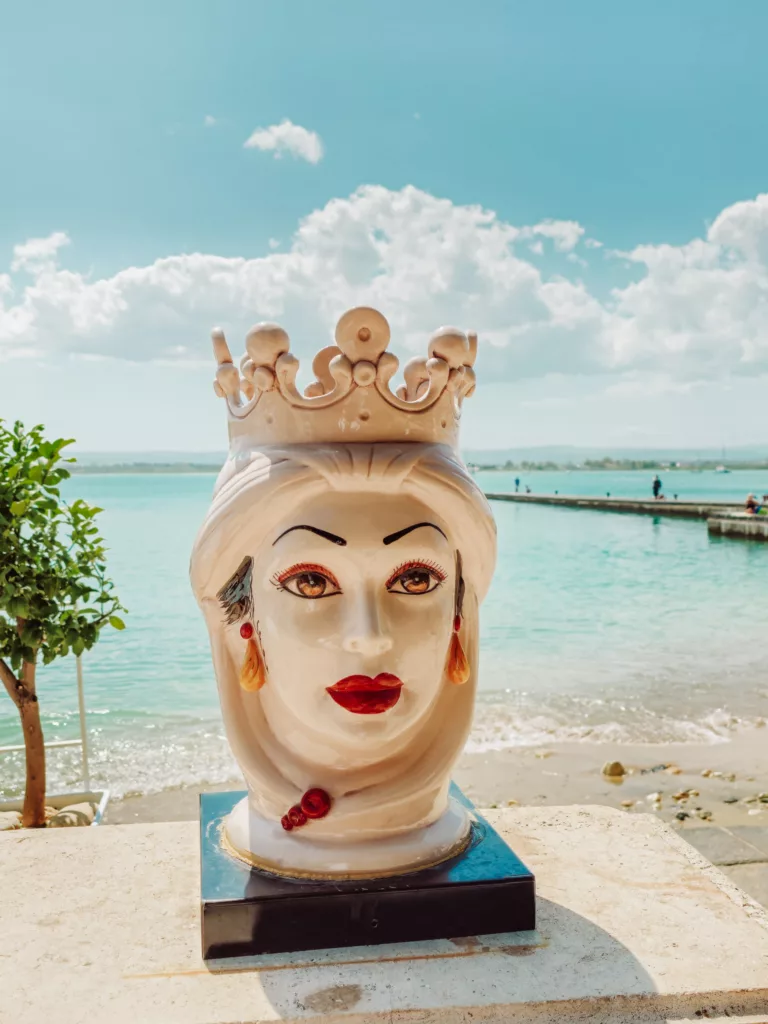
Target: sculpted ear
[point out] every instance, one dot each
(236, 596)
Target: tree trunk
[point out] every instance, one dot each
(33, 814)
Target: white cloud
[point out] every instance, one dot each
(564, 233)
(209, 120)
(744, 227)
(698, 311)
(287, 137)
(38, 254)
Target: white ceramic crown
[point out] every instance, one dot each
(351, 399)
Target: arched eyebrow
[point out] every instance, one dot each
(392, 537)
(332, 537)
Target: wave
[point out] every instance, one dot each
(502, 725)
(140, 754)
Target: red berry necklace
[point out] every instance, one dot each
(314, 804)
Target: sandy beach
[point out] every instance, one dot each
(571, 773)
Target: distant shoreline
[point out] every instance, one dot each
(604, 465)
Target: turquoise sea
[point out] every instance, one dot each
(598, 627)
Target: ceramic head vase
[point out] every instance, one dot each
(340, 569)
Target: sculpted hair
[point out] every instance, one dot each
(253, 495)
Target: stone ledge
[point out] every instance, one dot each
(634, 925)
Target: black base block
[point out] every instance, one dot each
(484, 890)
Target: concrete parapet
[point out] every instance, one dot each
(633, 926)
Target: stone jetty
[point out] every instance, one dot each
(739, 524)
(639, 506)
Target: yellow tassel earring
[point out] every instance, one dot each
(458, 666)
(253, 673)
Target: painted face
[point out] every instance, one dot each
(353, 602)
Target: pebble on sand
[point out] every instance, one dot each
(614, 769)
(75, 814)
(627, 803)
(9, 820)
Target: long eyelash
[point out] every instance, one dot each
(280, 578)
(236, 596)
(417, 564)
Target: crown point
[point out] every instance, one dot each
(472, 339)
(450, 344)
(386, 367)
(228, 378)
(263, 378)
(364, 373)
(265, 343)
(362, 333)
(220, 348)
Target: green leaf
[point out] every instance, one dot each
(18, 508)
(116, 622)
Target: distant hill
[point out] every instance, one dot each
(570, 454)
(214, 459)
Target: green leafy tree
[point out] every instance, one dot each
(55, 597)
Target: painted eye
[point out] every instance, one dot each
(311, 582)
(415, 579)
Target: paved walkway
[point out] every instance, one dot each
(740, 852)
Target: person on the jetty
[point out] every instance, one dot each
(517, 484)
(656, 486)
(751, 505)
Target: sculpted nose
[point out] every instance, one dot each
(365, 634)
(369, 644)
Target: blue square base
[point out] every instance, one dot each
(484, 890)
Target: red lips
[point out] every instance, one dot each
(365, 696)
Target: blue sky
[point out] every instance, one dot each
(123, 130)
